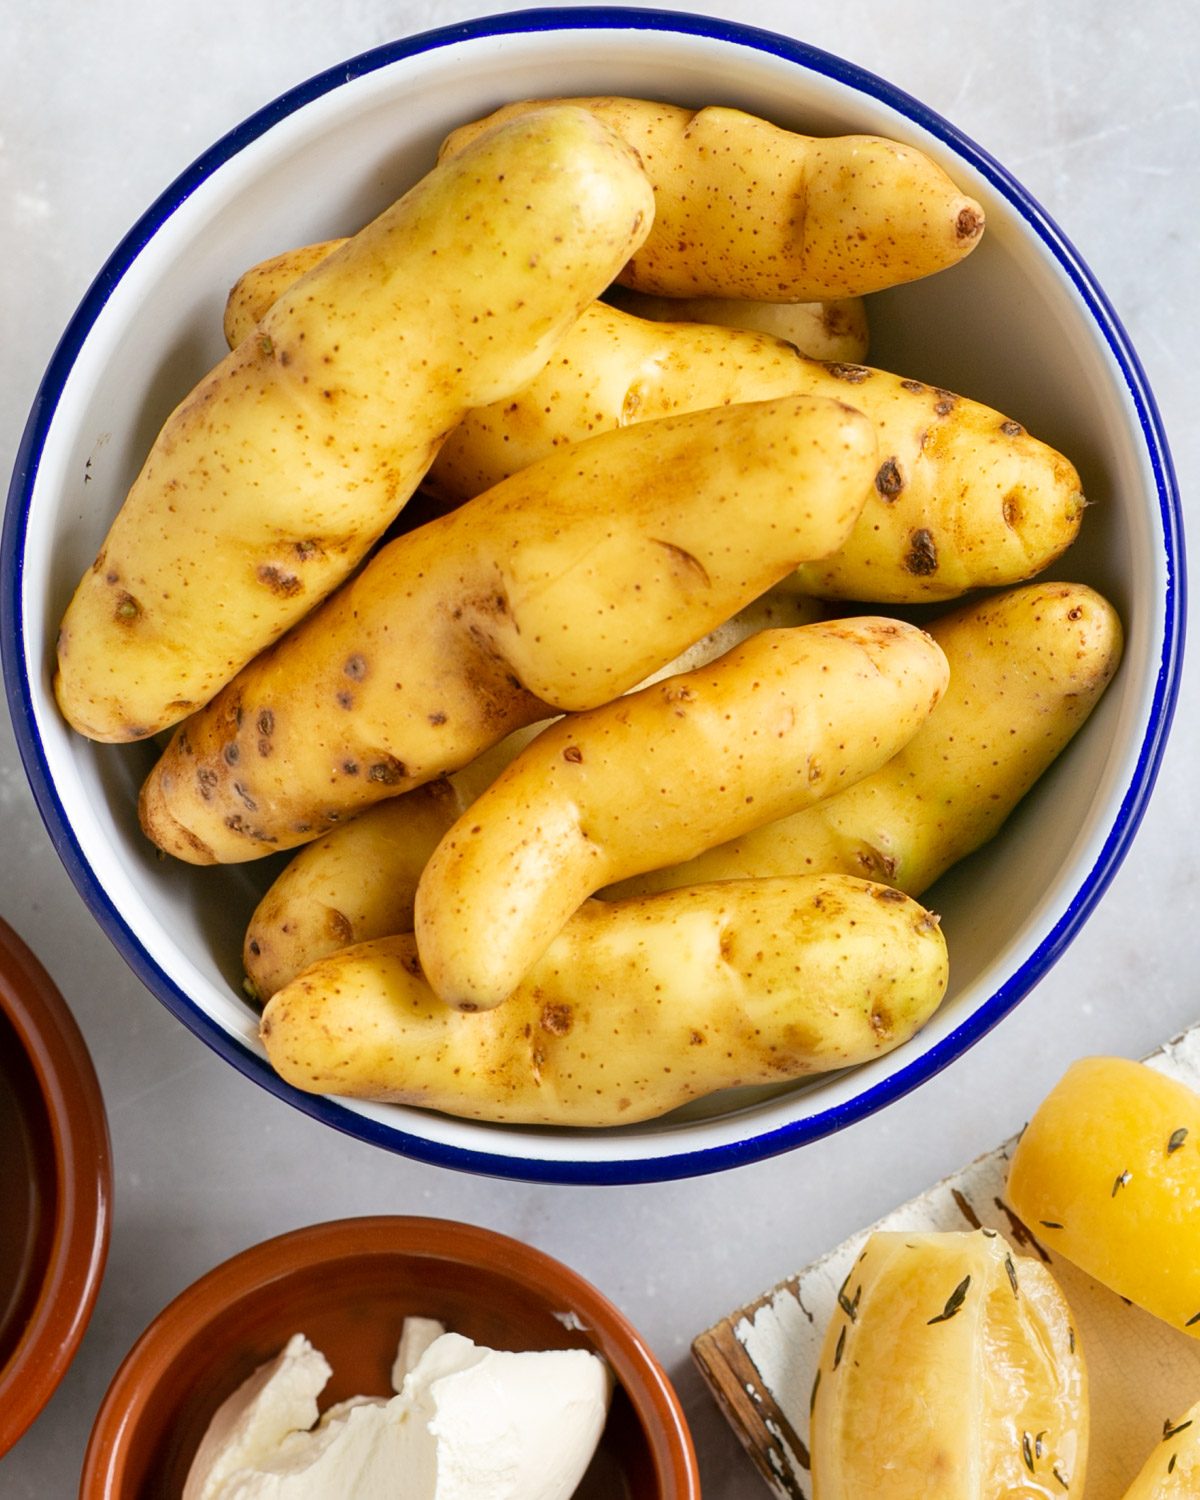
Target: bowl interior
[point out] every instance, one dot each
(348, 1287)
(55, 1187)
(28, 1190)
(1018, 325)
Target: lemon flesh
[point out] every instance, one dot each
(950, 1371)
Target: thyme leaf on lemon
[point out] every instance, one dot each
(953, 1302)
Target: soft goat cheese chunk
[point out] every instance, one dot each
(279, 1399)
(469, 1423)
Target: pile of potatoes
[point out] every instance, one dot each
(598, 806)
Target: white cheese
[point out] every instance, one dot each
(280, 1398)
(469, 1423)
(415, 1337)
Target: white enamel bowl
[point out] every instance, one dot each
(1021, 325)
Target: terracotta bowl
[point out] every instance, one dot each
(349, 1285)
(55, 1187)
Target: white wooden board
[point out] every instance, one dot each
(760, 1361)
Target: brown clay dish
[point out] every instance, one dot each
(55, 1187)
(348, 1285)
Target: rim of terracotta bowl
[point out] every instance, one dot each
(671, 1154)
(78, 1202)
(172, 1333)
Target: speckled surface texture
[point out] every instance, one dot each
(1096, 107)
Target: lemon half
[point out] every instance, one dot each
(1107, 1174)
(950, 1371)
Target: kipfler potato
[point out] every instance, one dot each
(772, 726)
(634, 1009)
(963, 498)
(744, 208)
(1026, 670)
(836, 330)
(272, 479)
(823, 330)
(559, 589)
(358, 881)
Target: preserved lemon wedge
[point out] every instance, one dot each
(1107, 1174)
(950, 1371)
(1172, 1472)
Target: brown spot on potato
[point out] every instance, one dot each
(921, 559)
(912, 385)
(1011, 510)
(887, 893)
(574, 754)
(230, 754)
(206, 780)
(126, 609)
(853, 374)
(880, 1021)
(969, 224)
(388, 771)
(1011, 429)
(244, 797)
(340, 927)
(278, 580)
(556, 1018)
(437, 718)
(355, 667)
(266, 722)
(889, 481)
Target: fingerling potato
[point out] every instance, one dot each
(772, 726)
(558, 590)
(1026, 670)
(822, 330)
(358, 881)
(272, 479)
(746, 209)
(963, 497)
(635, 1008)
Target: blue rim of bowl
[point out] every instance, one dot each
(669, 1164)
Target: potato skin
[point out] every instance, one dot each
(272, 479)
(634, 1009)
(772, 726)
(255, 291)
(359, 880)
(963, 497)
(354, 883)
(560, 589)
(1026, 669)
(745, 209)
(822, 330)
